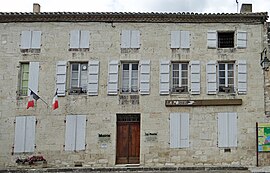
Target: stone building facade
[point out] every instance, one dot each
(150, 89)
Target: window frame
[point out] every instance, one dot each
(79, 89)
(34, 38)
(130, 78)
(183, 88)
(21, 78)
(221, 43)
(228, 88)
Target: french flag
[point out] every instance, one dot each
(31, 100)
(55, 101)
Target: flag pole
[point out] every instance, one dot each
(40, 98)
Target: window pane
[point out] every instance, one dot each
(74, 67)
(221, 81)
(230, 81)
(230, 66)
(175, 66)
(230, 73)
(175, 74)
(184, 82)
(83, 82)
(221, 66)
(184, 73)
(134, 66)
(221, 73)
(24, 79)
(125, 66)
(184, 66)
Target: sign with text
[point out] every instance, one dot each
(263, 137)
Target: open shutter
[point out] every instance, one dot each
(26, 40)
(145, 77)
(174, 130)
(184, 130)
(36, 39)
(135, 39)
(175, 39)
(61, 78)
(113, 78)
(33, 77)
(30, 134)
(232, 127)
(242, 77)
(185, 40)
(80, 132)
(125, 38)
(195, 77)
(93, 70)
(212, 39)
(74, 41)
(223, 130)
(241, 39)
(85, 38)
(19, 141)
(70, 133)
(164, 85)
(211, 70)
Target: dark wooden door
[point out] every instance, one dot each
(128, 141)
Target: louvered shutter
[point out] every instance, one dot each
(74, 41)
(61, 78)
(212, 39)
(232, 138)
(195, 77)
(80, 132)
(26, 39)
(241, 39)
(36, 39)
(135, 39)
(145, 77)
(174, 130)
(175, 39)
(33, 77)
(242, 77)
(164, 86)
(85, 38)
(185, 40)
(30, 134)
(222, 130)
(70, 133)
(113, 78)
(184, 130)
(93, 70)
(125, 38)
(19, 141)
(211, 70)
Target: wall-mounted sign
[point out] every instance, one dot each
(151, 137)
(104, 138)
(263, 137)
(206, 102)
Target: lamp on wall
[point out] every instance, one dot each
(265, 62)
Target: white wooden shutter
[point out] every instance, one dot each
(212, 39)
(61, 78)
(85, 38)
(70, 133)
(227, 129)
(19, 141)
(164, 85)
(36, 39)
(93, 70)
(175, 39)
(113, 78)
(33, 77)
(241, 39)
(211, 70)
(30, 134)
(74, 41)
(185, 40)
(135, 39)
(242, 77)
(125, 38)
(80, 132)
(26, 40)
(179, 130)
(145, 77)
(195, 77)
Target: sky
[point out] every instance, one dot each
(197, 6)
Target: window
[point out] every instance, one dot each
(75, 132)
(130, 77)
(130, 39)
(29, 73)
(24, 134)
(225, 39)
(78, 78)
(179, 77)
(227, 129)
(24, 79)
(179, 130)
(180, 39)
(30, 41)
(226, 77)
(79, 40)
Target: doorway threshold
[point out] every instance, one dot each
(127, 165)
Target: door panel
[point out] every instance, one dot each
(122, 143)
(134, 143)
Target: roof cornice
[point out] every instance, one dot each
(134, 17)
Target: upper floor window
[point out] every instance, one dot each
(78, 78)
(179, 77)
(130, 39)
(180, 39)
(79, 40)
(130, 78)
(226, 39)
(226, 77)
(30, 41)
(24, 79)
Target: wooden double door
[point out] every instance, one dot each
(128, 139)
